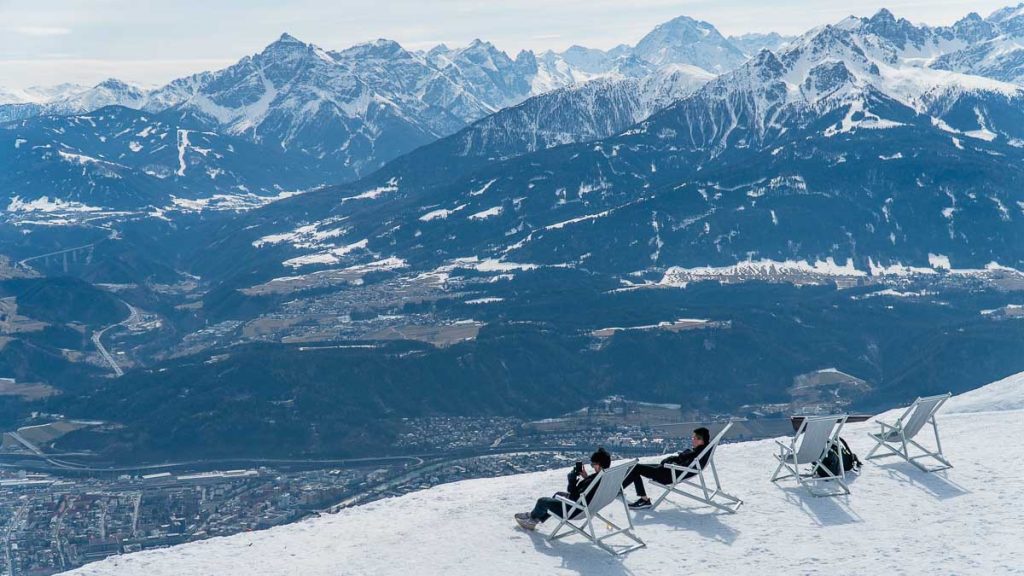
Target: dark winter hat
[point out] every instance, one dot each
(601, 457)
(704, 434)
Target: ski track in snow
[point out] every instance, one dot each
(897, 520)
(182, 146)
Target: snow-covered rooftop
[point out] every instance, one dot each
(897, 520)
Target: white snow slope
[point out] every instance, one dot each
(898, 520)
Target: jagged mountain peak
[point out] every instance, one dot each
(478, 46)
(684, 40)
(1010, 20)
(286, 46)
(381, 48)
(974, 28)
(828, 41)
(883, 16)
(117, 84)
(900, 31)
(689, 28)
(526, 56)
(1006, 13)
(769, 61)
(287, 38)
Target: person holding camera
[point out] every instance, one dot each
(579, 480)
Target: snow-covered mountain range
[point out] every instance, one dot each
(841, 148)
(956, 520)
(68, 99)
(994, 47)
(350, 111)
(702, 168)
(343, 114)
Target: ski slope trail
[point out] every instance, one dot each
(898, 520)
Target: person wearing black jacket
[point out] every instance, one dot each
(662, 475)
(579, 481)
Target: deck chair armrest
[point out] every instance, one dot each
(564, 500)
(679, 468)
(784, 446)
(569, 507)
(884, 426)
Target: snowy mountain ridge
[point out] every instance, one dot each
(848, 66)
(954, 520)
(39, 94)
(369, 103)
(346, 113)
(742, 170)
(353, 110)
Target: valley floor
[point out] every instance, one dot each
(898, 520)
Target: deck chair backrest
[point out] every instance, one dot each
(609, 484)
(919, 413)
(813, 435)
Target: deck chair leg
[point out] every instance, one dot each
(664, 494)
(719, 493)
(878, 444)
(625, 507)
(590, 527)
(775, 475)
(554, 533)
(938, 455)
(703, 485)
(938, 442)
(617, 530)
(926, 453)
(659, 499)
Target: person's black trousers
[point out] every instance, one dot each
(546, 506)
(655, 472)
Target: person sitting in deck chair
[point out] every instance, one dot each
(579, 480)
(662, 475)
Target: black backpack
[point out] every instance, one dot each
(831, 460)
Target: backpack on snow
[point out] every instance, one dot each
(831, 460)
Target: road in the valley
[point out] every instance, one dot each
(16, 520)
(97, 338)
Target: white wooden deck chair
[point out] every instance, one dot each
(693, 476)
(899, 437)
(808, 447)
(578, 516)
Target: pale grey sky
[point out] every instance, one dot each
(151, 42)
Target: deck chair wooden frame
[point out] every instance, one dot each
(693, 477)
(899, 437)
(808, 447)
(578, 516)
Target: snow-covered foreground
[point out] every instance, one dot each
(898, 520)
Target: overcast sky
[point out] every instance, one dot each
(151, 42)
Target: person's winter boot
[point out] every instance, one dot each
(525, 521)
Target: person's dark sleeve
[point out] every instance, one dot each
(684, 458)
(573, 479)
(575, 489)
